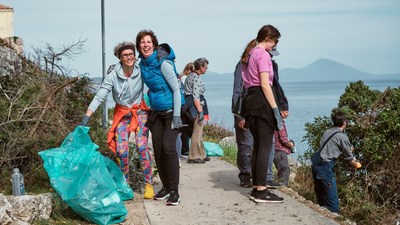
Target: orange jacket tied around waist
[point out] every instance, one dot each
(119, 113)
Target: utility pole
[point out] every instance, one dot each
(103, 59)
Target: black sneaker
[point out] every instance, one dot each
(246, 182)
(271, 184)
(184, 154)
(162, 194)
(253, 193)
(174, 198)
(196, 161)
(267, 196)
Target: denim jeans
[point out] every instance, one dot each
(325, 183)
(244, 141)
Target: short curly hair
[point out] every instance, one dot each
(144, 33)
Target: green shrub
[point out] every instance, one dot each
(215, 133)
(369, 194)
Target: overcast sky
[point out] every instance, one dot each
(363, 34)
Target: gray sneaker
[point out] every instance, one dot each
(271, 184)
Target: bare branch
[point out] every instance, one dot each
(48, 102)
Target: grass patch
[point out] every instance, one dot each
(230, 154)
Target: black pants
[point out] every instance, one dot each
(263, 137)
(185, 143)
(164, 144)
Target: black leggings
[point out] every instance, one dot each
(164, 144)
(263, 137)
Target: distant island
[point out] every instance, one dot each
(329, 70)
(320, 70)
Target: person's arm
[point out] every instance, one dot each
(167, 70)
(347, 150)
(267, 90)
(196, 93)
(269, 95)
(237, 84)
(101, 95)
(105, 88)
(284, 138)
(199, 107)
(237, 89)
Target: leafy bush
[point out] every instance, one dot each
(370, 195)
(215, 133)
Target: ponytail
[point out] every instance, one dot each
(246, 54)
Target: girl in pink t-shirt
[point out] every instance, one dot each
(260, 109)
(260, 61)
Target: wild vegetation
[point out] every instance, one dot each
(38, 108)
(370, 195)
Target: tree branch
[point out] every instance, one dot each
(47, 104)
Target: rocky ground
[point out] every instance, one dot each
(136, 211)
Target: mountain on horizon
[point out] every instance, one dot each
(329, 70)
(324, 70)
(319, 70)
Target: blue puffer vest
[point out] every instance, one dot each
(160, 94)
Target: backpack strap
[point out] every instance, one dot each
(319, 150)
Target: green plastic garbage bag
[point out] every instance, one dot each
(90, 183)
(213, 149)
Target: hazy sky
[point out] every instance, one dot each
(363, 34)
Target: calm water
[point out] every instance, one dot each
(307, 100)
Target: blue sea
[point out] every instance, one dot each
(307, 100)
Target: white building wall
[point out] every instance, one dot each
(6, 23)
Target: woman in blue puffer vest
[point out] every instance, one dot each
(166, 98)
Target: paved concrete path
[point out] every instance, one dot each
(210, 194)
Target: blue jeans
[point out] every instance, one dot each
(327, 194)
(270, 174)
(244, 141)
(325, 183)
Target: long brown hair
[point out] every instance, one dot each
(188, 68)
(266, 31)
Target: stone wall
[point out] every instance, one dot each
(23, 210)
(10, 61)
